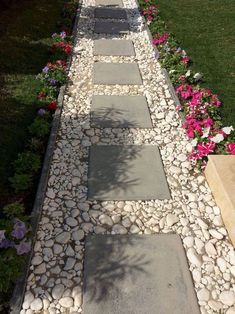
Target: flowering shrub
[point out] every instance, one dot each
(61, 45)
(14, 243)
(200, 106)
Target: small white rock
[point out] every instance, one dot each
(227, 298)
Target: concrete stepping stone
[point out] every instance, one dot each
(111, 47)
(111, 27)
(120, 112)
(141, 274)
(109, 3)
(110, 13)
(128, 172)
(117, 73)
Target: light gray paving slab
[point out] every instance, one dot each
(120, 112)
(137, 274)
(109, 3)
(110, 13)
(128, 172)
(117, 73)
(111, 47)
(111, 27)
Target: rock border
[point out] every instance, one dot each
(20, 286)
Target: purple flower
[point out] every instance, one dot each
(63, 35)
(53, 82)
(19, 230)
(2, 235)
(23, 247)
(54, 35)
(41, 112)
(6, 244)
(45, 69)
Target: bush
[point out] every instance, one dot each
(28, 163)
(40, 127)
(21, 182)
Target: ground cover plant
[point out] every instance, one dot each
(201, 107)
(43, 90)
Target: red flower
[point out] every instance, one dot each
(231, 148)
(41, 95)
(52, 105)
(185, 60)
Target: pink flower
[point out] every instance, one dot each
(160, 39)
(185, 60)
(205, 149)
(185, 91)
(231, 148)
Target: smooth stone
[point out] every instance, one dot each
(70, 221)
(28, 298)
(194, 258)
(171, 219)
(210, 249)
(221, 264)
(58, 291)
(66, 302)
(231, 310)
(119, 229)
(77, 296)
(36, 260)
(69, 263)
(41, 269)
(203, 294)
(216, 306)
(36, 304)
(105, 220)
(227, 297)
(57, 248)
(134, 229)
(78, 235)
(63, 237)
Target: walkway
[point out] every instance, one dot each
(116, 171)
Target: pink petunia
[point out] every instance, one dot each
(205, 149)
(185, 60)
(231, 148)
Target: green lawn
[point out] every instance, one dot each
(205, 29)
(25, 28)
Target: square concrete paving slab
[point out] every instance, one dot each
(120, 112)
(111, 27)
(109, 3)
(111, 47)
(128, 172)
(117, 73)
(110, 13)
(137, 274)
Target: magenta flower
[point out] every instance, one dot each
(205, 149)
(23, 248)
(185, 60)
(231, 148)
(160, 39)
(19, 230)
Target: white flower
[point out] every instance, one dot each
(218, 138)
(206, 132)
(188, 73)
(184, 54)
(194, 142)
(227, 129)
(171, 71)
(197, 76)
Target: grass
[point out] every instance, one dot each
(205, 29)
(25, 30)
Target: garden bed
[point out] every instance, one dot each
(16, 229)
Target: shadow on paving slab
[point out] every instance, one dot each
(110, 266)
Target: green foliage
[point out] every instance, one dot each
(21, 182)
(40, 127)
(13, 210)
(11, 266)
(27, 162)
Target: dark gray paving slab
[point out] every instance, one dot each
(111, 47)
(137, 274)
(117, 73)
(110, 13)
(109, 3)
(127, 172)
(120, 112)
(111, 27)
